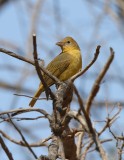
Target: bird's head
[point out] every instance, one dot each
(67, 44)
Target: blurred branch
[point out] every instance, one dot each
(97, 82)
(9, 44)
(13, 87)
(23, 95)
(57, 15)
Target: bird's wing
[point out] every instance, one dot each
(58, 65)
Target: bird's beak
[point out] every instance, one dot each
(60, 44)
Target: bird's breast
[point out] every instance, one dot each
(74, 67)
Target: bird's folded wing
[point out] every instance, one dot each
(58, 67)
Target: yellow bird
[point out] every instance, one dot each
(63, 66)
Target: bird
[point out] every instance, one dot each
(63, 66)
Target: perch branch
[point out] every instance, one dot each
(47, 89)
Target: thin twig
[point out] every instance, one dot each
(23, 95)
(89, 65)
(55, 79)
(23, 138)
(6, 149)
(21, 143)
(24, 110)
(83, 156)
(109, 121)
(20, 119)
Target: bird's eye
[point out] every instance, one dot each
(68, 42)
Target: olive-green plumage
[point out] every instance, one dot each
(64, 66)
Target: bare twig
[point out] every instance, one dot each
(109, 121)
(6, 150)
(102, 141)
(96, 85)
(23, 95)
(23, 138)
(21, 143)
(119, 140)
(91, 130)
(19, 119)
(24, 110)
(89, 65)
(79, 144)
(83, 156)
(30, 62)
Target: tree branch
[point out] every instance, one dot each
(5, 148)
(30, 62)
(89, 65)
(21, 143)
(23, 138)
(47, 89)
(97, 82)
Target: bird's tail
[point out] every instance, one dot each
(37, 94)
